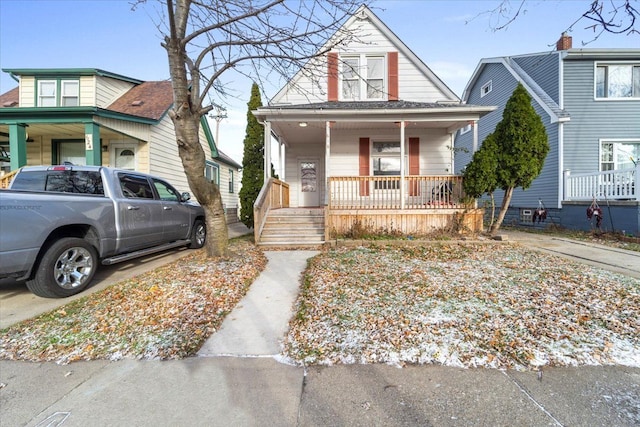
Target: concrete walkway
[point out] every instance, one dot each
(257, 325)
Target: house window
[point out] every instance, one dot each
(618, 81)
(363, 77)
(48, 90)
(212, 172)
(386, 161)
(47, 93)
(70, 93)
(486, 88)
(231, 183)
(619, 155)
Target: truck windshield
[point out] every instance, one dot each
(64, 181)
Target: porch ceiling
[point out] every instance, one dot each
(56, 131)
(315, 130)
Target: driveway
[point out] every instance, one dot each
(17, 303)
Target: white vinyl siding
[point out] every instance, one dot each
(107, 90)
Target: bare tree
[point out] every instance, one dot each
(602, 16)
(205, 39)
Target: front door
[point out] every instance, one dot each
(309, 188)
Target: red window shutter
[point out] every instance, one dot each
(364, 165)
(332, 76)
(392, 58)
(414, 164)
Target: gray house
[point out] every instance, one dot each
(589, 101)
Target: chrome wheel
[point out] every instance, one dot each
(73, 268)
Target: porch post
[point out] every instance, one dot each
(92, 145)
(475, 136)
(267, 151)
(18, 145)
(281, 159)
(636, 184)
(402, 171)
(327, 157)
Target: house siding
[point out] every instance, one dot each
(27, 91)
(592, 120)
(545, 187)
(108, 89)
(545, 70)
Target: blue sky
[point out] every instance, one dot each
(449, 36)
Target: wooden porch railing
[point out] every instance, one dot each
(621, 184)
(383, 192)
(6, 179)
(273, 195)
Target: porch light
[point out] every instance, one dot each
(302, 124)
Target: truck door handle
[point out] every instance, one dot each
(132, 208)
(168, 208)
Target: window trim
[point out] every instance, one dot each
(231, 182)
(486, 88)
(362, 76)
(597, 65)
(215, 166)
(613, 141)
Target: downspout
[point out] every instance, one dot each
(267, 150)
(560, 164)
(327, 157)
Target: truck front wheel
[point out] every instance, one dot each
(198, 234)
(66, 268)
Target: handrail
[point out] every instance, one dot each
(6, 179)
(274, 194)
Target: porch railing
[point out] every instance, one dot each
(621, 184)
(273, 195)
(5, 180)
(383, 192)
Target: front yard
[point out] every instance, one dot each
(459, 304)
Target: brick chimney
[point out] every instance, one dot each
(564, 42)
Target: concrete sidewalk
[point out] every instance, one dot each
(238, 380)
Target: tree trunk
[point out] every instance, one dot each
(493, 209)
(506, 200)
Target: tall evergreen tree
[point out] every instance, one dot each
(521, 148)
(252, 160)
(480, 175)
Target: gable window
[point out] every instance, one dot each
(486, 88)
(58, 93)
(618, 81)
(363, 77)
(616, 155)
(212, 172)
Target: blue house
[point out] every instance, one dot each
(589, 102)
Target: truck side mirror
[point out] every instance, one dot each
(186, 196)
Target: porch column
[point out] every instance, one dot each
(92, 146)
(281, 159)
(402, 171)
(327, 157)
(267, 151)
(475, 136)
(18, 145)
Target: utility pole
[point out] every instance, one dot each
(220, 113)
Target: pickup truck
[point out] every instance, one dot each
(57, 223)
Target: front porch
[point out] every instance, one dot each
(391, 205)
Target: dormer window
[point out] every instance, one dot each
(363, 77)
(58, 93)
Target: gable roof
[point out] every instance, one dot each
(227, 160)
(149, 99)
(547, 103)
(10, 98)
(364, 13)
